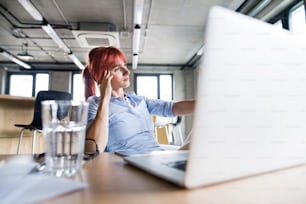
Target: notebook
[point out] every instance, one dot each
(250, 115)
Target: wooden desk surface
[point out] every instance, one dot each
(111, 180)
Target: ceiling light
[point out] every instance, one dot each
(135, 61)
(136, 40)
(76, 61)
(25, 55)
(51, 32)
(29, 7)
(138, 10)
(15, 59)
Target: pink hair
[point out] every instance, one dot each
(100, 59)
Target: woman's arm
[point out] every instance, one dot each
(97, 132)
(183, 107)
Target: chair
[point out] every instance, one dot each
(164, 129)
(177, 132)
(36, 124)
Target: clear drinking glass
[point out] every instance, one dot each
(64, 126)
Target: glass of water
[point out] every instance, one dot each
(64, 127)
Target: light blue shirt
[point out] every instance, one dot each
(131, 128)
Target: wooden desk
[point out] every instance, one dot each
(112, 181)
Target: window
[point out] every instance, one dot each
(166, 87)
(26, 84)
(78, 87)
(41, 83)
(297, 19)
(147, 86)
(21, 85)
(154, 86)
(278, 24)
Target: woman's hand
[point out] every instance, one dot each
(98, 130)
(105, 86)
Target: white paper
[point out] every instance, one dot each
(19, 185)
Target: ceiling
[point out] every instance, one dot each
(171, 30)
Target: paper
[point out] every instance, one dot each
(19, 185)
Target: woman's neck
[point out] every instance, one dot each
(118, 93)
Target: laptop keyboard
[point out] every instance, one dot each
(181, 165)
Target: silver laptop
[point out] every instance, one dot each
(250, 116)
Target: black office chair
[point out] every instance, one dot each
(36, 124)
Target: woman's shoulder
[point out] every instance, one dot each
(133, 95)
(135, 98)
(93, 99)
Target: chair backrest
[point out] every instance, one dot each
(164, 128)
(43, 96)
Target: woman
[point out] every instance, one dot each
(119, 121)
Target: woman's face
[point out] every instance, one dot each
(120, 75)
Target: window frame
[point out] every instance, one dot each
(291, 10)
(29, 73)
(158, 82)
(284, 16)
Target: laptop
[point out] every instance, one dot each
(250, 115)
